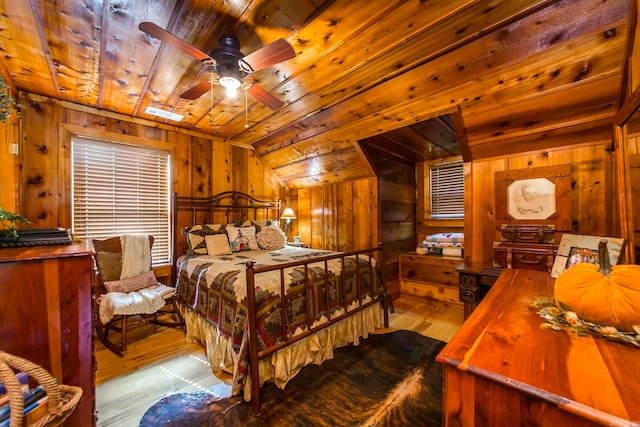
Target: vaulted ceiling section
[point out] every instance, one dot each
(414, 80)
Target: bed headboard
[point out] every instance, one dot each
(221, 208)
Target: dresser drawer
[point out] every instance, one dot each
(524, 256)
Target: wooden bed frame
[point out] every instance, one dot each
(232, 206)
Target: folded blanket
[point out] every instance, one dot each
(145, 301)
(445, 238)
(136, 255)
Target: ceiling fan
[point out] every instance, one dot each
(229, 63)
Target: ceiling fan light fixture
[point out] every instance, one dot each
(231, 84)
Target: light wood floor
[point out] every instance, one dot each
(158, 362)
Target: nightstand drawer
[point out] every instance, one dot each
(468, 281)
(469, 295)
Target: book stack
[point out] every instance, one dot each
(35, 401)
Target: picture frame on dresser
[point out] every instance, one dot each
(575, 249)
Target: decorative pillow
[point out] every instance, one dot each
(242, 238)
(257, 224)
(271, 238)
(217, 244)
(196, 234)
(131, 284)
(110, 265)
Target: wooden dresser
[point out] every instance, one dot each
(502, 369)
(432, 276)
(45, 295)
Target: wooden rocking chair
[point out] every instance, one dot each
(137, 296)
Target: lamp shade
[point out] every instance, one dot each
(288, 214)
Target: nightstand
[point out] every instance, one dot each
(475, 280)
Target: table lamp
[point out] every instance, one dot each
(287, 215)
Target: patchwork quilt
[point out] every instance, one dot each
(214, 288)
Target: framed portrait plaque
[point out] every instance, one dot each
(534, 196)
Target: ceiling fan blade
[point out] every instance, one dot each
(168, 38)
(265, 97)
(273, 53)
(197, 91)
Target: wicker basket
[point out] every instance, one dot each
(61, 399)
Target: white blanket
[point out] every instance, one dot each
(145, 301)
(136, 255)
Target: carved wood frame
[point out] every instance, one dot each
(559, 175)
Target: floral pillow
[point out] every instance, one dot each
(271, 238)
(131, 284)
(196, 244)
(242, 238)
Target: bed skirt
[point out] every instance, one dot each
(284, 364)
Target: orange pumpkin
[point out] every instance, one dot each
(602, 294)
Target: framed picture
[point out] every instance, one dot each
(534, 196)
(576, 249)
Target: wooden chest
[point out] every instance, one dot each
(432, 276)
(527, 256)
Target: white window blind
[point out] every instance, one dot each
(446, 189)
(121, 189)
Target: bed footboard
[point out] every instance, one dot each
(360, 285)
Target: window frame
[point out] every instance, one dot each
(161, 229)
(456, 206)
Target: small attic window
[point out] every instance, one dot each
(446, 190)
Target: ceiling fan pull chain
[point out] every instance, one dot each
(211, 98)
(246, 109)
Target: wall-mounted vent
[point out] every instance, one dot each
(164, 114)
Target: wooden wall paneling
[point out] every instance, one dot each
(303, 215)
(65, 172)
(155, 133)
(345, 218)
(624, 192)
(421, 194)
(529, 160)
(291, 200)
(122, 127)
(634, 175)
(365, 214)
(9, 176)
(240, 170)
(181, 163)
(330, 217)
(39, 180)
(595, 132)
(201, 162)
(221, 167)
(255, 174)
(316, 216)
(593, 190)
(479, 240)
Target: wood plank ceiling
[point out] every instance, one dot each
(513, 75)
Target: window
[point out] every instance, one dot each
(446, 190)
(121, 189)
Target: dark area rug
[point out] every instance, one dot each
(388, 380)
